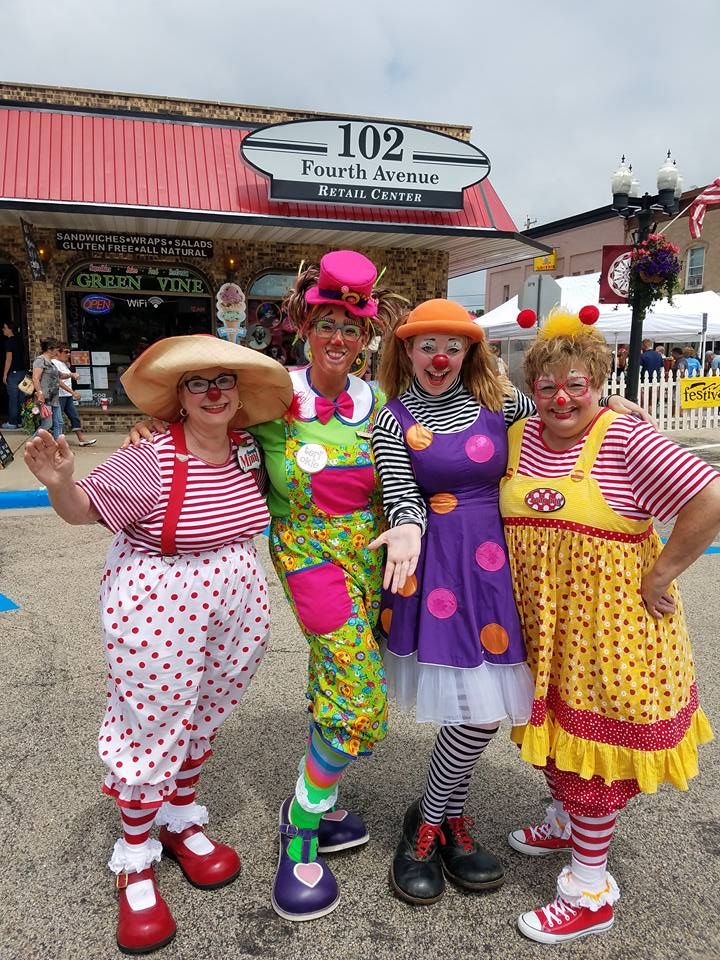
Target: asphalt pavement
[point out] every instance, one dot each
(57, 830)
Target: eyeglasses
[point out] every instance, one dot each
(226, 381)
(326, 329)
(574, 386)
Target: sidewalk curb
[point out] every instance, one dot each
(14, 499)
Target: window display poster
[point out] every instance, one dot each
(100, 358)
(81, 357)
(100, 376)
(83, 375)
(85, 396)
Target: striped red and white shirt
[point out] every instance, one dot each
(640, 472)
(222, 504)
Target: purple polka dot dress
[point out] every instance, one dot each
(454, 650)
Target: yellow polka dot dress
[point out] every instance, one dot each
(616, 700)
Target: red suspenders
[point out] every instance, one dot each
(168, 547)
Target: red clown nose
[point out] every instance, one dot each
(440, 361)
(214, 393)
(561, 400)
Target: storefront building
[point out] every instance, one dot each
(124, 218)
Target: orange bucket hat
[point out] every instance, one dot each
(440, 316)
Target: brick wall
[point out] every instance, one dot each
(172, 106)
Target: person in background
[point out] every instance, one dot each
(651, 362)
(693, 364)
(679, 367)
(183, 601)
(616, 710)
(709, 357)
(500, 364)
(715, 364)
(46, 380)
(622, 357)
(13, 373)
(68, 395)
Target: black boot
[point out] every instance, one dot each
(465, 862)
(416, 873)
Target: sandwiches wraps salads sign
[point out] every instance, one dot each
(365, 163)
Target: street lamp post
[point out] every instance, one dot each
(628, 203)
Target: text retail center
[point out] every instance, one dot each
(125, 219)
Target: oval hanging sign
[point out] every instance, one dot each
(363, 162)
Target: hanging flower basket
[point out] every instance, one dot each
(654, 270)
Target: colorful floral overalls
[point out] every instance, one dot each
(331, 579)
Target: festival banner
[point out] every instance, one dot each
(615, 274)
(699, 392)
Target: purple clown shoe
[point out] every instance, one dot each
(305, 890)
(341, 830)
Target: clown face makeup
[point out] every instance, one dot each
(334, 340)
(437, 360)
(567, 404)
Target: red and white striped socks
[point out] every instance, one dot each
(137, 824)
(591, 838)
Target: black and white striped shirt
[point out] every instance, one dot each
(452, 411)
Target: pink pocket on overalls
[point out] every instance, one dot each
(320, 596)
(340, 490)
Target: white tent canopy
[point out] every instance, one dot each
(681, 321)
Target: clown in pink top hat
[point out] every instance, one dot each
(346, 279)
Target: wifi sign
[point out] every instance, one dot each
(155, 302)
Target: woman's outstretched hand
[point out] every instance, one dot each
(50, 460)
(144, 430)
(403, 549)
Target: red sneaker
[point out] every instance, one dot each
(560, 921)
(207, 869)
(539, 841)
(144, 919)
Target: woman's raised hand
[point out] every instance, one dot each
(403, 549)
(50, 460)
(144, 430)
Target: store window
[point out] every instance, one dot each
(114, 311)
(268, 329)
(695, 268)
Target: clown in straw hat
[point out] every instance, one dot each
(184, 602)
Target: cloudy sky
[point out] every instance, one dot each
(555, 91)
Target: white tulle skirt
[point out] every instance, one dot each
(480, 695)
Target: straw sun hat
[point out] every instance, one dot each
(151, 382)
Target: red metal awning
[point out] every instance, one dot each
(125, 166)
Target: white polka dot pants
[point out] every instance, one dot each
(182, 642)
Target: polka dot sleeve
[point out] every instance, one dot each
(663, 476)
(126, 487)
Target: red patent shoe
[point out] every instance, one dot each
(208, 871)
(141, 927)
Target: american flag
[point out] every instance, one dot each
(709, 196)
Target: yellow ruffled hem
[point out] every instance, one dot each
(590, 759)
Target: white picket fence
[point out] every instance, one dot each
(661, 398)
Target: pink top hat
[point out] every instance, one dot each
(346, 280)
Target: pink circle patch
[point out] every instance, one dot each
(490, 556)
(479, 448)
(441, 603)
